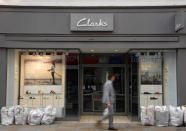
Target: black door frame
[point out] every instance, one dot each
(109, 65)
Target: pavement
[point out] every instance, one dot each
(77, 126)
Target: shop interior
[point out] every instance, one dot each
(96, 69)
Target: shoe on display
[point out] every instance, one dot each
(98, 124)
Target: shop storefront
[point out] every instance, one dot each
(63, 56)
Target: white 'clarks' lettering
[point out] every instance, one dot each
(87, 22)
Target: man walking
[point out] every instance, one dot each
(109, 100)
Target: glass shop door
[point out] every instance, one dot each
(94, 77)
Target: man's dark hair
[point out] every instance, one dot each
(110, 76)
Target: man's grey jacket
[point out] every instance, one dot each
(108, 93)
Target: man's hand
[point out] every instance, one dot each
(108, 105)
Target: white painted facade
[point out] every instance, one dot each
(94, 3)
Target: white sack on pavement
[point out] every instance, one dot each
(21, 113)
(7, 115)
(161, 115)
(176, 116)
(49, 115)
(147, 115)
(184, 115)
(35, 117)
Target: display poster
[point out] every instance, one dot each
(43, 70)
(151, 71)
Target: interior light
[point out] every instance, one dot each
(92, 50)
(116, 50)
(66, 53)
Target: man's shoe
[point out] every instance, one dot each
(112, 128)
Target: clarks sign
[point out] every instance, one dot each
(91, 22)
(87, 22)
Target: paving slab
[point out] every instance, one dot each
(77, 126)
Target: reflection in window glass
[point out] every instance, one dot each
(151, 70)
(94, 79)
(102, 59)
(72, 69)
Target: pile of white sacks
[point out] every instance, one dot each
(21, 115)
(163, 116)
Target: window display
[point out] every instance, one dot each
(151, 78)
(42, 79)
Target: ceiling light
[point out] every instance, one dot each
(116, 50)
(92, 50)
(66, 53)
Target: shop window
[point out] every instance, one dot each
(151, 88)
(42, 78)
(153, 79)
